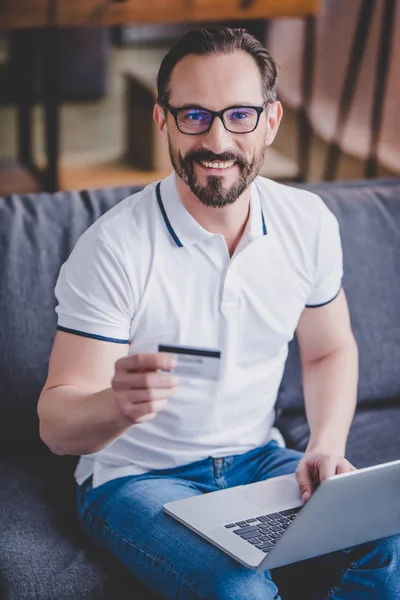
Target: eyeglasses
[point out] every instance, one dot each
(195, 120)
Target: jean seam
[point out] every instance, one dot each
(138, 548)
(336, 588)
(343, 574)
(221, 482)
(227, 465)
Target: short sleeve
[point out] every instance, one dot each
(328, 261)
(93, 292)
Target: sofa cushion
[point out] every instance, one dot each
(374, 434)
(43, 553)
(369, 218)
(37, 234)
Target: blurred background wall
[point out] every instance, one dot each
(339, 83)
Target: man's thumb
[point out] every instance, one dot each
(304, 482)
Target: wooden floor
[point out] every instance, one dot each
(76, 177)
(15, 179)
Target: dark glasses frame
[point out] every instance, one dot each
(214, 113)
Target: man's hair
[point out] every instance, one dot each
(217, 40)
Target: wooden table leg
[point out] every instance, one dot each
(51, 101)
(382, 64)
(22, 45)
(349, 87)
(304, 129)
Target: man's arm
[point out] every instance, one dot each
(329, 359)
(94, 392)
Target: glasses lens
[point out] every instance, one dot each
(193, 120)
(240, 119)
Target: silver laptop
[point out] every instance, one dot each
(264, 525)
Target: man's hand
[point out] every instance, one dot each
(140, 390)
(317, 466)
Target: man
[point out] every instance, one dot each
(216, 257)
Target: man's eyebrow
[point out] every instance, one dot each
(192, 105)
(239, 104)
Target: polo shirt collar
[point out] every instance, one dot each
(256, 227)
(184, 229)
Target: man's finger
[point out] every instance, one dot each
(145, 410)
(123, 380)
(326, 468)
(344, 467)
(146, 362)
(140, 396)
(304, 480)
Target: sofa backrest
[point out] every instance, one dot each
(37, 233)
(369, 216)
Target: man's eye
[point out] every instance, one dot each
(196, 116)
(239, 115)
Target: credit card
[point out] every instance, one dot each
(195, 363)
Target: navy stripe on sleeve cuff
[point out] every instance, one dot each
(324, 303)
(92, 335)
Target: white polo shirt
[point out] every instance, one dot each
(147, 273)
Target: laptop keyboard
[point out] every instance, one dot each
(264, 531)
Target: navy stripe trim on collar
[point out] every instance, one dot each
(263, 223)
(92, 335)
(164, 214)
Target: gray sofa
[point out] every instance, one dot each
(43, 554)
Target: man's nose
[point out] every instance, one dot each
(218, 139)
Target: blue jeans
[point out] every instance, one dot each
(126, 518)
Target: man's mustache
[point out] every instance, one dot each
(209, 156)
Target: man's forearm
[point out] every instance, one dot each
(330, 394)
(73, 421)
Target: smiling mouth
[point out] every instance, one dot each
(217, 165)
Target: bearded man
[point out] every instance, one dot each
(214, 256)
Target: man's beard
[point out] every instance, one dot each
(214, 194)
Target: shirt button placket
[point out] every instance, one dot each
(230, 297)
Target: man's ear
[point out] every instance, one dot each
(160, 120)
(274, 116)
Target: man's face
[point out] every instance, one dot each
(218, 165)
